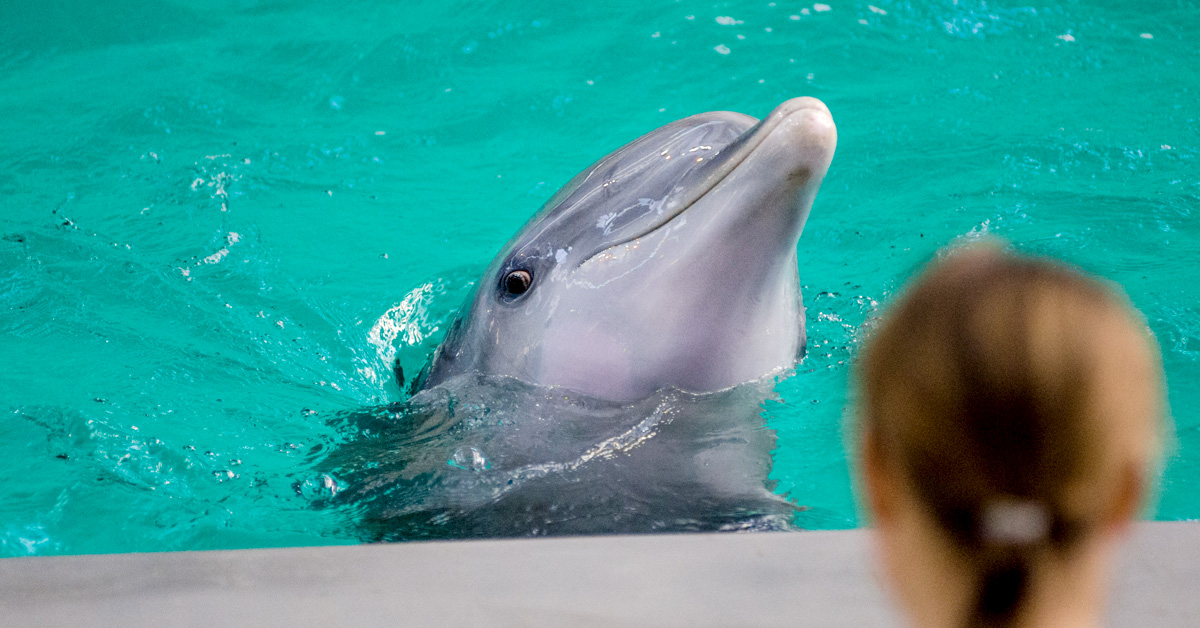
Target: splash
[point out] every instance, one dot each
(217, 182)
(405, 323)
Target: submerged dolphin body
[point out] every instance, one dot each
(669, 263)
(591, 382)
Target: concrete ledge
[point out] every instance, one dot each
(766, 579)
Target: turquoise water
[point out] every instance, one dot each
(220, 221)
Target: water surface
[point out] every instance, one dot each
(221, 221)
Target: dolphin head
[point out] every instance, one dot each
(670, 262)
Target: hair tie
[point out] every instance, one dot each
(1009, 522)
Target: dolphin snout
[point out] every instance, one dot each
(803, 132)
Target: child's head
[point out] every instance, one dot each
(1016, 403)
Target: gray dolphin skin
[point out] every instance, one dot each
(608, 373)
(669, 263)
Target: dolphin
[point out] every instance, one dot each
(608, 372)
(671, 262)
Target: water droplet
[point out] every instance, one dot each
(469, 458)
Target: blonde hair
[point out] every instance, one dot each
(1013, 395)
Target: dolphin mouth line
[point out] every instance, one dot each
(722, 164)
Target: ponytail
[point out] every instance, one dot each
(1010, 538)
(1004, 539)
(1001, 590)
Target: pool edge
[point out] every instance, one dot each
(755, 579)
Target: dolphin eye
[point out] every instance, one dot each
(517, 282)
